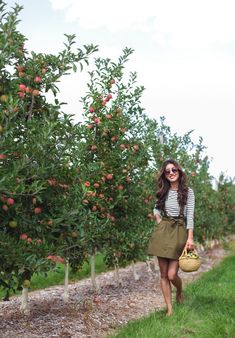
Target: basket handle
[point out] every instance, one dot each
(184, 253)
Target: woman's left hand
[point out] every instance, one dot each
(190, 244)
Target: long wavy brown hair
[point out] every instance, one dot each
(163, 186)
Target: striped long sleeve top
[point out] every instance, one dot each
(173, 209)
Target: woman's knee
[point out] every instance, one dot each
(172, 275)
(172, 272)
(164, 275)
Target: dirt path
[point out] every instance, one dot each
(88, 315)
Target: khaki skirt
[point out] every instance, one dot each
(168, 238)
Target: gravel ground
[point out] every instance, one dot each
(89, 314)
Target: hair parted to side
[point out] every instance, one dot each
(163, 186)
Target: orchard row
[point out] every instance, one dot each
(71, 189)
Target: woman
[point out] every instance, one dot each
(174, 214)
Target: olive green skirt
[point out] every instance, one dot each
(168, 238)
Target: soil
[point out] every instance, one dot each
(90, 314)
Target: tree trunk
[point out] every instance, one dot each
(152, 266)
(135, 275)
(24, 307)
(149, 271)
(65, 295)
(93, 279)
(117, 275)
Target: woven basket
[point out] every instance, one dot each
(189, 263)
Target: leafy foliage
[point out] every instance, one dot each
(68, 190)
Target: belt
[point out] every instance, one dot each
(175, 219)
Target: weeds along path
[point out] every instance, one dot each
(88, 314)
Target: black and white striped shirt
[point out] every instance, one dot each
(173, 209)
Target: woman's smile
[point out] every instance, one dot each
(171, 173)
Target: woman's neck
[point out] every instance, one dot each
(174, 186)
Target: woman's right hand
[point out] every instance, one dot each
(158, 218)
(190, 244)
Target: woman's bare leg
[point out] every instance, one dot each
(173, 268)
(165, 283)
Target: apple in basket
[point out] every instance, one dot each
(192, 254)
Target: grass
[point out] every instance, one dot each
(208, 310)
(41, 281)
(57, 278)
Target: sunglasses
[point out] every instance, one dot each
(168, 171)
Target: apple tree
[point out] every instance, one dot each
(39, 193)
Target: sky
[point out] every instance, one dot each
(184, 54)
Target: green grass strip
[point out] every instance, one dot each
(42, 281)
(208, 310)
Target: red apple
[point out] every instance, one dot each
(28, 90)
(10, 201)
(91, 193)
(91, 110)
(23, 237)
(3, 156)
(136, 147)
(37, 210)
(35, 92)
(52, 182)
(114, 138)
(97, 120)
(20, 68)
(37, 79)
(109, 176)
(21, 95)
(94, 208)
(22, 87)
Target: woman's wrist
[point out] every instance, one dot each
(190, 234)
(190, 242)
